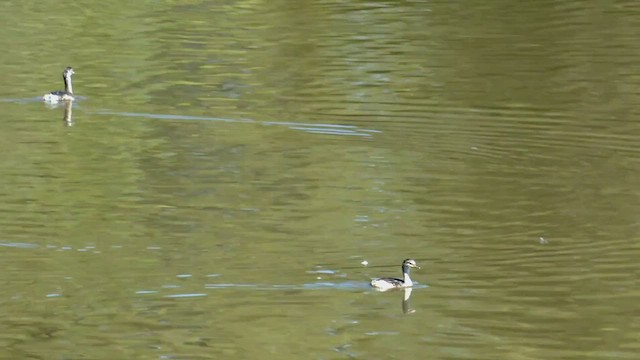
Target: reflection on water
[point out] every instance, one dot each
(68, 116)
(233, 164)
(406, 304)
(325, 129)
(67, 106)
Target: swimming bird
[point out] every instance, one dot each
(394, 283)
(66, 95)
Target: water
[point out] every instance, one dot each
(229, 167)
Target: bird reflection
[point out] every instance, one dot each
(406, 298)
(68, 109)
(406, 303)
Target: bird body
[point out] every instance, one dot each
(395, 283)
(60, 95)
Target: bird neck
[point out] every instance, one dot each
(68, 87)
(406, 278)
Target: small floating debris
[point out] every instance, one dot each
(364, 263)
(54, 295)
(543, 241)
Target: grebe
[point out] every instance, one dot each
(393, 283)
(67, 94)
